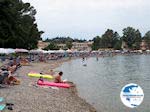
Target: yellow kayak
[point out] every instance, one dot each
(38, 75)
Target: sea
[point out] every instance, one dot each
(101, 80)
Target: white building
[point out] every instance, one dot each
(82, 46)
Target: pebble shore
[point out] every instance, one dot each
(27, 97)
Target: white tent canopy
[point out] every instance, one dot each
(3, 51)
(61, 51)
(50, 51)
(43, 51)
(36, 51)
(21, 50)
(6, 51)
(69, 50)
(10, 50)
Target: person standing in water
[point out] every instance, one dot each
(83, 58)
(96, 58)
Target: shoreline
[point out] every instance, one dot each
(74, 89)
(29, 98)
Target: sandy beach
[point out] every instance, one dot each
(27, 97)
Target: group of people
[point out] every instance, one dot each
(7, 71)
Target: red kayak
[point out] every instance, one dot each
(47, 83)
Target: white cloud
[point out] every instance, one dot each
(91, 17)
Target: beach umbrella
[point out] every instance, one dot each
(94, 51)
(45, 52)
(40, 50)
(3, 51)
(61, 51)
(140, 51)
(55, 51)
(33, 51)
(21, 50)
(10, 50)
(69, 51)
(36, 51)
(6, 51)
(117, 51)
(51, 51)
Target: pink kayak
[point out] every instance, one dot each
(47, 83)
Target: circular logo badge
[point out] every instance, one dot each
(132, 95)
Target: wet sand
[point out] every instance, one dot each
(27, 97)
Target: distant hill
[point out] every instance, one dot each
(63, 40)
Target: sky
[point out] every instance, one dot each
(85, 19)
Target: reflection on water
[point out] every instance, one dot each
(100, 82)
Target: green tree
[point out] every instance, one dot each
(147, 38)
(96, 43)
(116, 41)
(60, 40)
(52, 46)
(117, 46)
(138, 39)
(132, 37)
(17, 25)
(109, 39)
(69, 45)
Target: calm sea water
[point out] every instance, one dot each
(100, 82)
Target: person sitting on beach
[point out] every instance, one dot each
(6, 77)
(4, 74)
(57, 78)
(17, 63)
(51, 72)
(12, 68)
(24, 61)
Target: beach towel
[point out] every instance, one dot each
(2, 107)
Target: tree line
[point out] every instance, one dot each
(109, 40)
(18, 28)
(131, 37)
(53, 43)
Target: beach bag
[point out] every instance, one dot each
(13, 80)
